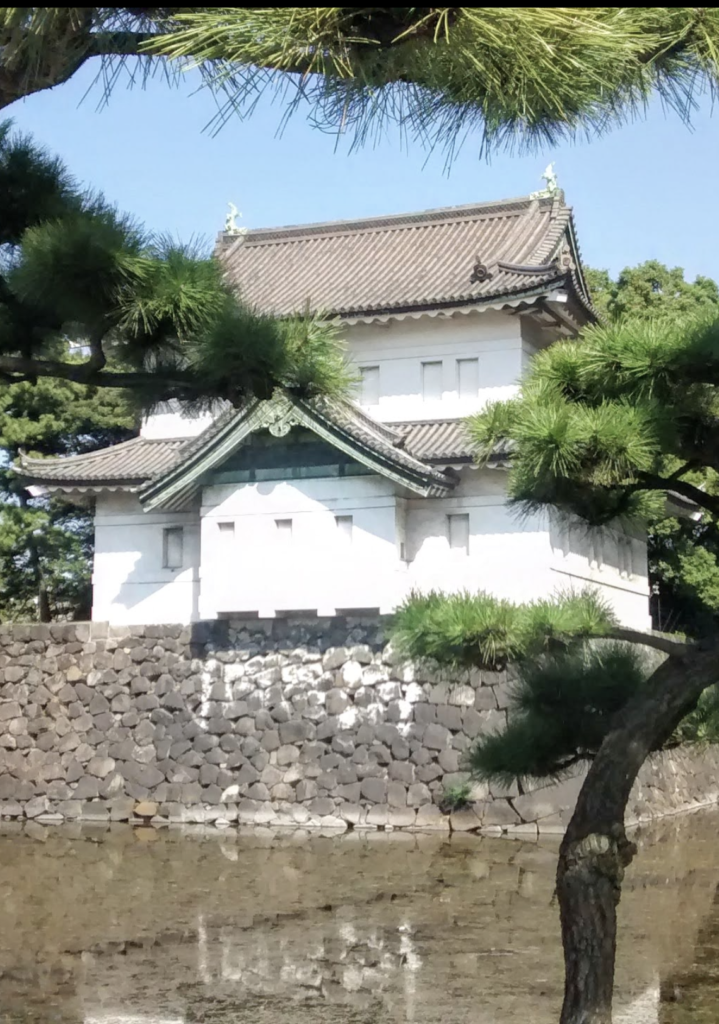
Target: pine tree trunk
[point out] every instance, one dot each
(43, 598)
(595, 849)
(43, 602)
(588, 887)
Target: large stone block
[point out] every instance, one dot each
(295, 731)
(336, 702)
(374, 790)
(436, 737)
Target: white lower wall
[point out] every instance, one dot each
(399, 543)
(507, 556)
(255, 568)
(608, 560)
(130, 585)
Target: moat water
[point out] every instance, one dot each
(140, 926)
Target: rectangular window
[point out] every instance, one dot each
(467, 378)
(227, 530)
(596, 551)
(432, 382)
(172, 547)
(458, 529)
(283, 528)
(626, 566)
(344, 529)
(369, 385)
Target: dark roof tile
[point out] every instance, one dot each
(405, 262)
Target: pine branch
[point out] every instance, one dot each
(119, 44)
(654, 482)
(658, 643)
(15, 369)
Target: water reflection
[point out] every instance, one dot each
(148, 928)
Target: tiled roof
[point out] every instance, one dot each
(128, 463)
(340, 423)
(440, 439)
(452, 256)
(414, 447)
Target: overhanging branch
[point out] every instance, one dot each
(659, 643)
(652, 482)
(15, 369)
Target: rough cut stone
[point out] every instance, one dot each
(145, 809)
(100, 766)
(336, 702)
(37, 806)
(86, 788)
(294, 732)
(374, 790)
(436, 737)
(287, 755)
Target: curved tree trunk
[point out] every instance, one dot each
(595, 849)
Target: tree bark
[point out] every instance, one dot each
(595, 849)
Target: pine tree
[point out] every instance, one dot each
(518, 74)
(145, 314)
(46, 543)
(605, 428)
(98, 321)
(683, 551)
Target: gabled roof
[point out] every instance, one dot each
(120, 466)
(338, 422)
(167, 472)
(484, 253)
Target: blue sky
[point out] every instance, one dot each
(647, 190)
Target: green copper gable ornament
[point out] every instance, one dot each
(231, 226)
(552, 185)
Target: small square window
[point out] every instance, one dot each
(432, 382)
(344, 529)
(468, 378)
(369, 385)
(458, 530)
(284, 530)
(227, 532)
(172, 547)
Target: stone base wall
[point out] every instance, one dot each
(277, 722)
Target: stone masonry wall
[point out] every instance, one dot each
(276, 722)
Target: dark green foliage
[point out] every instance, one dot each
(561, 710)
(455, 798)
(608, 425)
(151, 315)
(46, 543)
(650, 291)
(572, 680)
(608, 429)
(683, 552)
(480, 631)
(149, 319)
(518, 75)
(702, 725)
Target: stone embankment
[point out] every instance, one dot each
(282, 723)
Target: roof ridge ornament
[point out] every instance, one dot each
(552, 185)
(278, 415)
(480, 271)
(231, 226)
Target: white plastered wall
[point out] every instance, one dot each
(249, 564)
(130, 584)
(609, 559)
(399, 348)
(399, 543)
